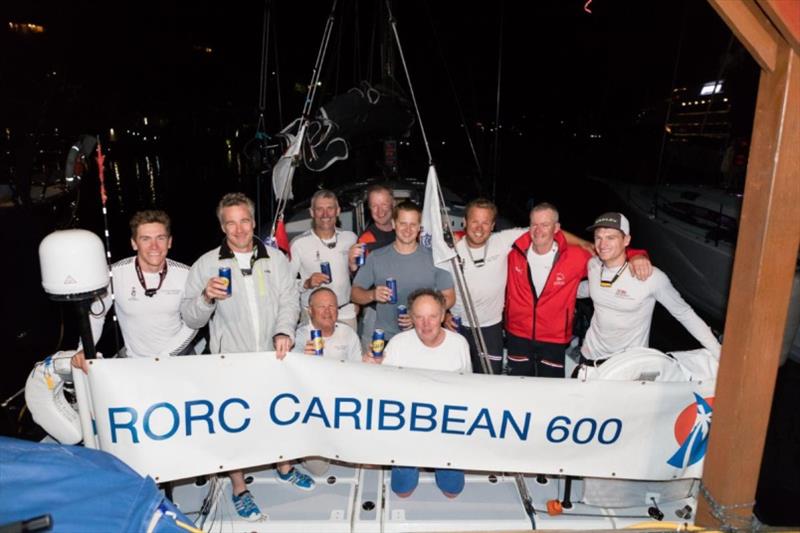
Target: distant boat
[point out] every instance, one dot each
(690, 233)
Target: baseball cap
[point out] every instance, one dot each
(612, 220)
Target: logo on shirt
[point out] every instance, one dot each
(691, 432)
(133, 293)
(623, 294)
(560, 279)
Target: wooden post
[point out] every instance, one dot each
(766, 255)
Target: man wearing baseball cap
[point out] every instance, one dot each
(623, 305)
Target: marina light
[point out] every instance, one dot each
(145, 121)
(711, 87)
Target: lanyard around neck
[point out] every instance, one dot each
(140, 275)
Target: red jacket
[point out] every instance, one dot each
(548, 317)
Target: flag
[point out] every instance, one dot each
(432, 233)
(281, 238)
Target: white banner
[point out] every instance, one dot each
(179, 417)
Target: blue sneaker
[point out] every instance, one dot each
(297, 478)
(246, 506)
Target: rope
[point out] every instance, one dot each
(729, 521)
(304, 118)
(393, 23)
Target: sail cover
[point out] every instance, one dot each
(82, 490)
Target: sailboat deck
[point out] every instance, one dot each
(359, 500)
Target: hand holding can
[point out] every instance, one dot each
(225, 273)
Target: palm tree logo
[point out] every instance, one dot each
(691, 432)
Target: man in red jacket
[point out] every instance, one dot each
(543, 277)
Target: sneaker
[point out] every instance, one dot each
(297, 478)
(246, 506)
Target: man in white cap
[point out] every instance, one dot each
(623, 305)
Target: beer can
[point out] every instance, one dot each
(391, 283)
(318, 341)
(401, 310)
(458, 322)
(325, 268)
(361, 259)
(378, 343)
(225, 272)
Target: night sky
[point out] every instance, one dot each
(115, 61)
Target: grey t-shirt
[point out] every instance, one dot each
(413, 271)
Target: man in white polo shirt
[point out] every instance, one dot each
(340, 341)
(325, 243)
(623, 305)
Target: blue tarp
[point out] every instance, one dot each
(84, 490)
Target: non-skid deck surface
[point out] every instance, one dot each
(360, 500)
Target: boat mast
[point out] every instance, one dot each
(388, 80)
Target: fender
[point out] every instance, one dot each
(44, 395)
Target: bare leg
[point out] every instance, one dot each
(237, 482)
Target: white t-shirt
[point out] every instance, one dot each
(243, 260)
(487, 283)
(151, 325)
(344, 344)
(623, 312)
(406, 350)
(309, 250)
(541, 266)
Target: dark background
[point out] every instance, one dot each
(580, 95)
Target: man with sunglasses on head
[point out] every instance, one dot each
(325, 243)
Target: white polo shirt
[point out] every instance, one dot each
(309, 250)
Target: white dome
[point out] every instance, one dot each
(73, 263)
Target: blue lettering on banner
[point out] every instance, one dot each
(272, 409)
(447, 420)
(316, 410)
(383, 414)
(205, 416)
(417, 416)
(508, 419)
(163, 420)
(176, 420)
(224, 406)
(339, 412)
(483, 421)
(129, 425)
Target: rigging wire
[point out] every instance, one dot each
(306, 113)
(496, 157)
(479, 178)
(447, 228)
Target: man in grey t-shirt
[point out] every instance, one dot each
(410, 264)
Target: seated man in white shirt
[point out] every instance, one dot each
(623, 305)
(339, 341)
(431, 347)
